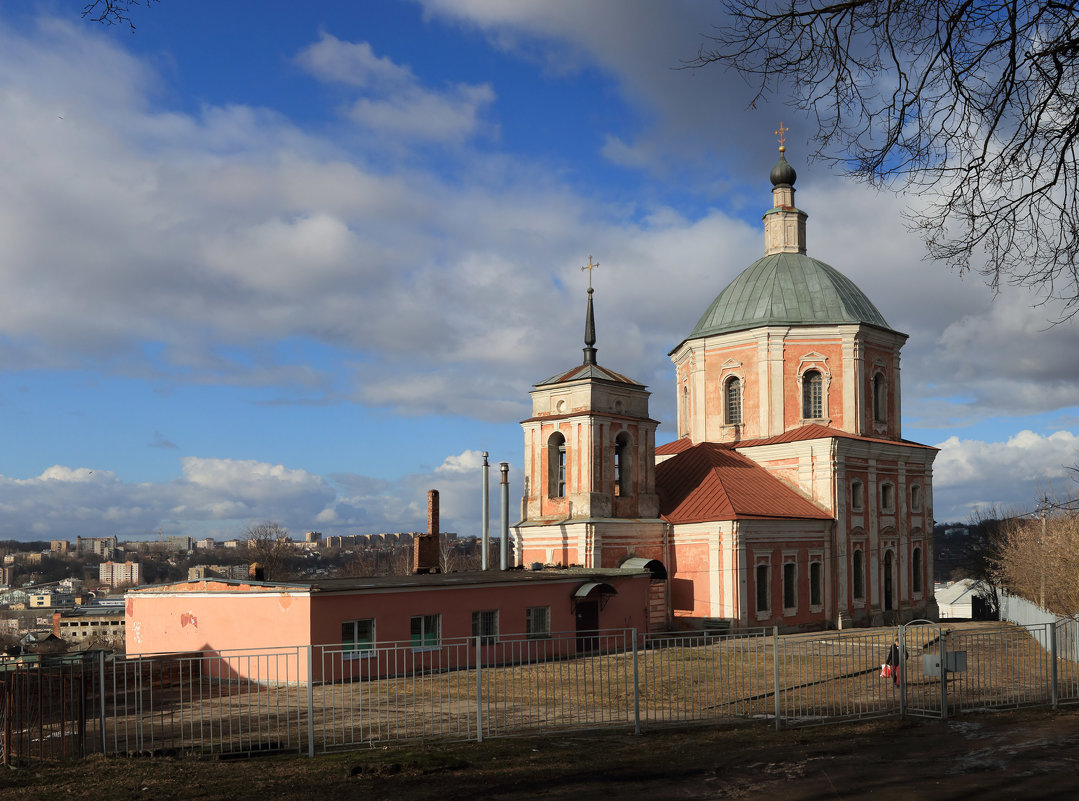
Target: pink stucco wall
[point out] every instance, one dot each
(241, 620)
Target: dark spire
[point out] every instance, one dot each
(589, 332)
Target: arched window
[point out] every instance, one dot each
(879, 399)
(732, 401)
(812, 395)
(684, 416)
(916, 571)
(858, 571)
(623, 465)
(556, 466)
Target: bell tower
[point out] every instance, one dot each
(589, 459)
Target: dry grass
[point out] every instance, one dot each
(821, 676)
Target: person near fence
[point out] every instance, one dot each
(893, 660)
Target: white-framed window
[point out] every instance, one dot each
(790, 586)
(485, 626)
(538, 622)
(812, 395)
(857, 495)
(915, 498)
(732, 401)
(764, 603)
(816, 584)
(358, 638)
(887, 497)
(556, 463)
(623, 461)
(425, 631)
(858, 574)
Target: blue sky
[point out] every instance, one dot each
(303, 262)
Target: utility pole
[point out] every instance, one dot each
(1041, 552)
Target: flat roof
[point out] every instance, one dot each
(461, 579)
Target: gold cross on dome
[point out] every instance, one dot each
(590, 267)
(782, 134)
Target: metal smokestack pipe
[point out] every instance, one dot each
(485, 525)
(503, 548)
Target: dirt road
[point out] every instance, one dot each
(1003, 755)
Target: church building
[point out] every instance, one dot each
(789, 497)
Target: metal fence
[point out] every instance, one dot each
(318, 699)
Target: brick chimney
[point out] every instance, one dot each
(425, 547)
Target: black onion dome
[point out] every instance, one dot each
(783, 173)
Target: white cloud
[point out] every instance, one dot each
(1011, 476)
(449, 117)
(352, 63)
(397, 104)
(466, 462)
(222, 497)
(232, 229)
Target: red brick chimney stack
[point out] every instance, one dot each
(425, 548)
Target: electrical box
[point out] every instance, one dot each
(954, 662)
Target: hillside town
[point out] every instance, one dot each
(62, 596)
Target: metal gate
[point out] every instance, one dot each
(925, 663)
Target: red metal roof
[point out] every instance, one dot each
(583, 371)
(669, 448)
(710, 481)
(817, 431)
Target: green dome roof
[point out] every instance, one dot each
(787, 289)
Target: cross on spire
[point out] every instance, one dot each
(590, 318)
(782, 134)
(590, 267)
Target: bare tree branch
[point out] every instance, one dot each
(972, 104)
(269, 545)
(113, 12)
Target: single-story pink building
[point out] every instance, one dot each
(363, 627)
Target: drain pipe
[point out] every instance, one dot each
(485, 523)
(503, 548)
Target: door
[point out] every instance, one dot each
(587, 625)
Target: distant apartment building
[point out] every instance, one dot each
(206, 544)
(90, 625)
(179, 543)
(116, 573)
(51, 600)
(105, 547)
(199, 572)
(234, 543)
(34, 558)
(312, 536)
(60, 546)
(7, 575)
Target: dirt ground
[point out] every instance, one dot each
(1001, 755)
